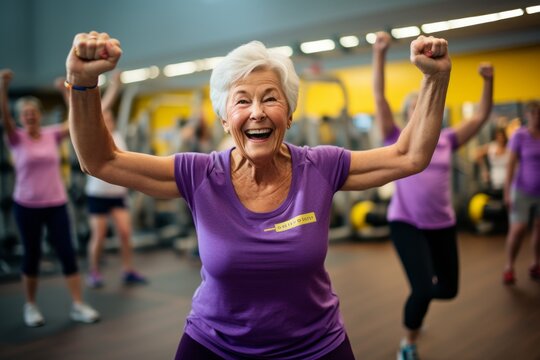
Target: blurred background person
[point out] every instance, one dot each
(421, 215)
(40, 201)
(108, 201)
(522, 192)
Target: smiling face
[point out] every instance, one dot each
(30, 116)
(257, 115)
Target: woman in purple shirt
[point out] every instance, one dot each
(40, 200)
(421, 215)
(262, 208)
(522, 191)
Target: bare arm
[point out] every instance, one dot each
(413, 150)
(8, 122)
(59, 85)
(470, 128)
(383, 114)
(91, 55)
(112, 92)
(513, 163)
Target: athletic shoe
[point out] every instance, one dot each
(32, 316)
(407, 352)
(509, 277)
(84, 313)
(94, 280)
(134, 278)
(534, 272)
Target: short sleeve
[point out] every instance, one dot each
(190, 170)
(332, 162)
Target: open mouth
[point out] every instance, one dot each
(258, 134)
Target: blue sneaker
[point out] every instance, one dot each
(134, 278)
(407, 352)
(94, 280)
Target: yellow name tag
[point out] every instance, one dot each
(294, 222)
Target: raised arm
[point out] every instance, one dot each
(112, 92)
(470, 127)
(383, 114)
(91, 55)
(7, 121)
(59, 85)
(413, 150)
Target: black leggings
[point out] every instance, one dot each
(430, 259)
(30, 222)
(189, 349)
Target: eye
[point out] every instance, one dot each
(270, 98)
(242, 102)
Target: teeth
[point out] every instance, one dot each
(258, 131)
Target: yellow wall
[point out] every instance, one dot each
(517, 78)
(166, 108)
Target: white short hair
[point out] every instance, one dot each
(241, 62)
(27, 100)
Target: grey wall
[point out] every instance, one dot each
(16, 38)
(36, 34)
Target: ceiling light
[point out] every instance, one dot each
(532, 9)
(371, 38)
(472, 20)
(317, 46)
(349, 41)
(405, 32)
(510, 14)
(283, 50)
(141, 74)
(182, 68)
(435, 27)
(469, 21)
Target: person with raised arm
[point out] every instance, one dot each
(263, 236)
(421, 215)
(40, 201)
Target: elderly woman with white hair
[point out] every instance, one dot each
(261, 208)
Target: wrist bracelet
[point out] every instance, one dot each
(78, 87)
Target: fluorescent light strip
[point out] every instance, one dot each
(183, 68)
(405, 32)
(533, 9)
(349, 41)
(371, 38)
(190, 67)
(137, 75)
(311, 47)
(284, 50)
(470, 21)
(510, 14)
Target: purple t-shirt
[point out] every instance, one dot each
(527, 149)
(425, 199)
(264, 291)
(38, 182)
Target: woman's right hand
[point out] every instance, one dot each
(92, 54)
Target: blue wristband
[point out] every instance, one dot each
(78, 87)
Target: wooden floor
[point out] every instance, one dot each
(486, 321)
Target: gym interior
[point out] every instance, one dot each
(164, 107)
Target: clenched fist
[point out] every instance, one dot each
(92, 54)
